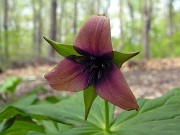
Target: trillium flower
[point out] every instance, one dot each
(93, 66)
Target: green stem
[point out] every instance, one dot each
(106, 116)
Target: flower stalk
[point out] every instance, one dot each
(106, 116)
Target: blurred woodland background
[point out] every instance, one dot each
(149, 26)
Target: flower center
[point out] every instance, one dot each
(96, 66)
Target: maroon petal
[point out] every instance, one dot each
(114, 88)
(67, 76)
(94, 37)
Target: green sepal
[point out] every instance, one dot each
(67, 50)
(89, 97)
(119, 58)
(63, 49)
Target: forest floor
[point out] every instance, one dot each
(148, 79)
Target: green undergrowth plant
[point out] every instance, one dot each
(9, 87)
(54, 116)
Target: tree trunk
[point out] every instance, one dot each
(121, 24)
(147, 12)
(75, 17)
(37, 27)
(98, 2)
(131, 11)
(40, 28)
(53, 26)
(1, 46)
(5, 25)
(34, 33)
(92, 7)
(16, 19)
(170, 21)
(60, 21)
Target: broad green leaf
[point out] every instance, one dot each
(35, 133)
(8, 116)
(89, 97)
(86, 131)
(63, 127)
(6, 123)
(119, 58)
(9, 111)
(38, 133)
(12, 125)
(54, 127)
(75, 131)
(63, 49)
(50, 126)
(52, 99)
(26, 100)
(68, 111)
(160, 116)
(20, 127)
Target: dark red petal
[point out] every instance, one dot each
(67, 76)
(94, 37)
(114, 88)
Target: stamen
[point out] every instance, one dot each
(92, 58)
(103, 66)
(92, 68)
(91, 78)
(99, 74)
